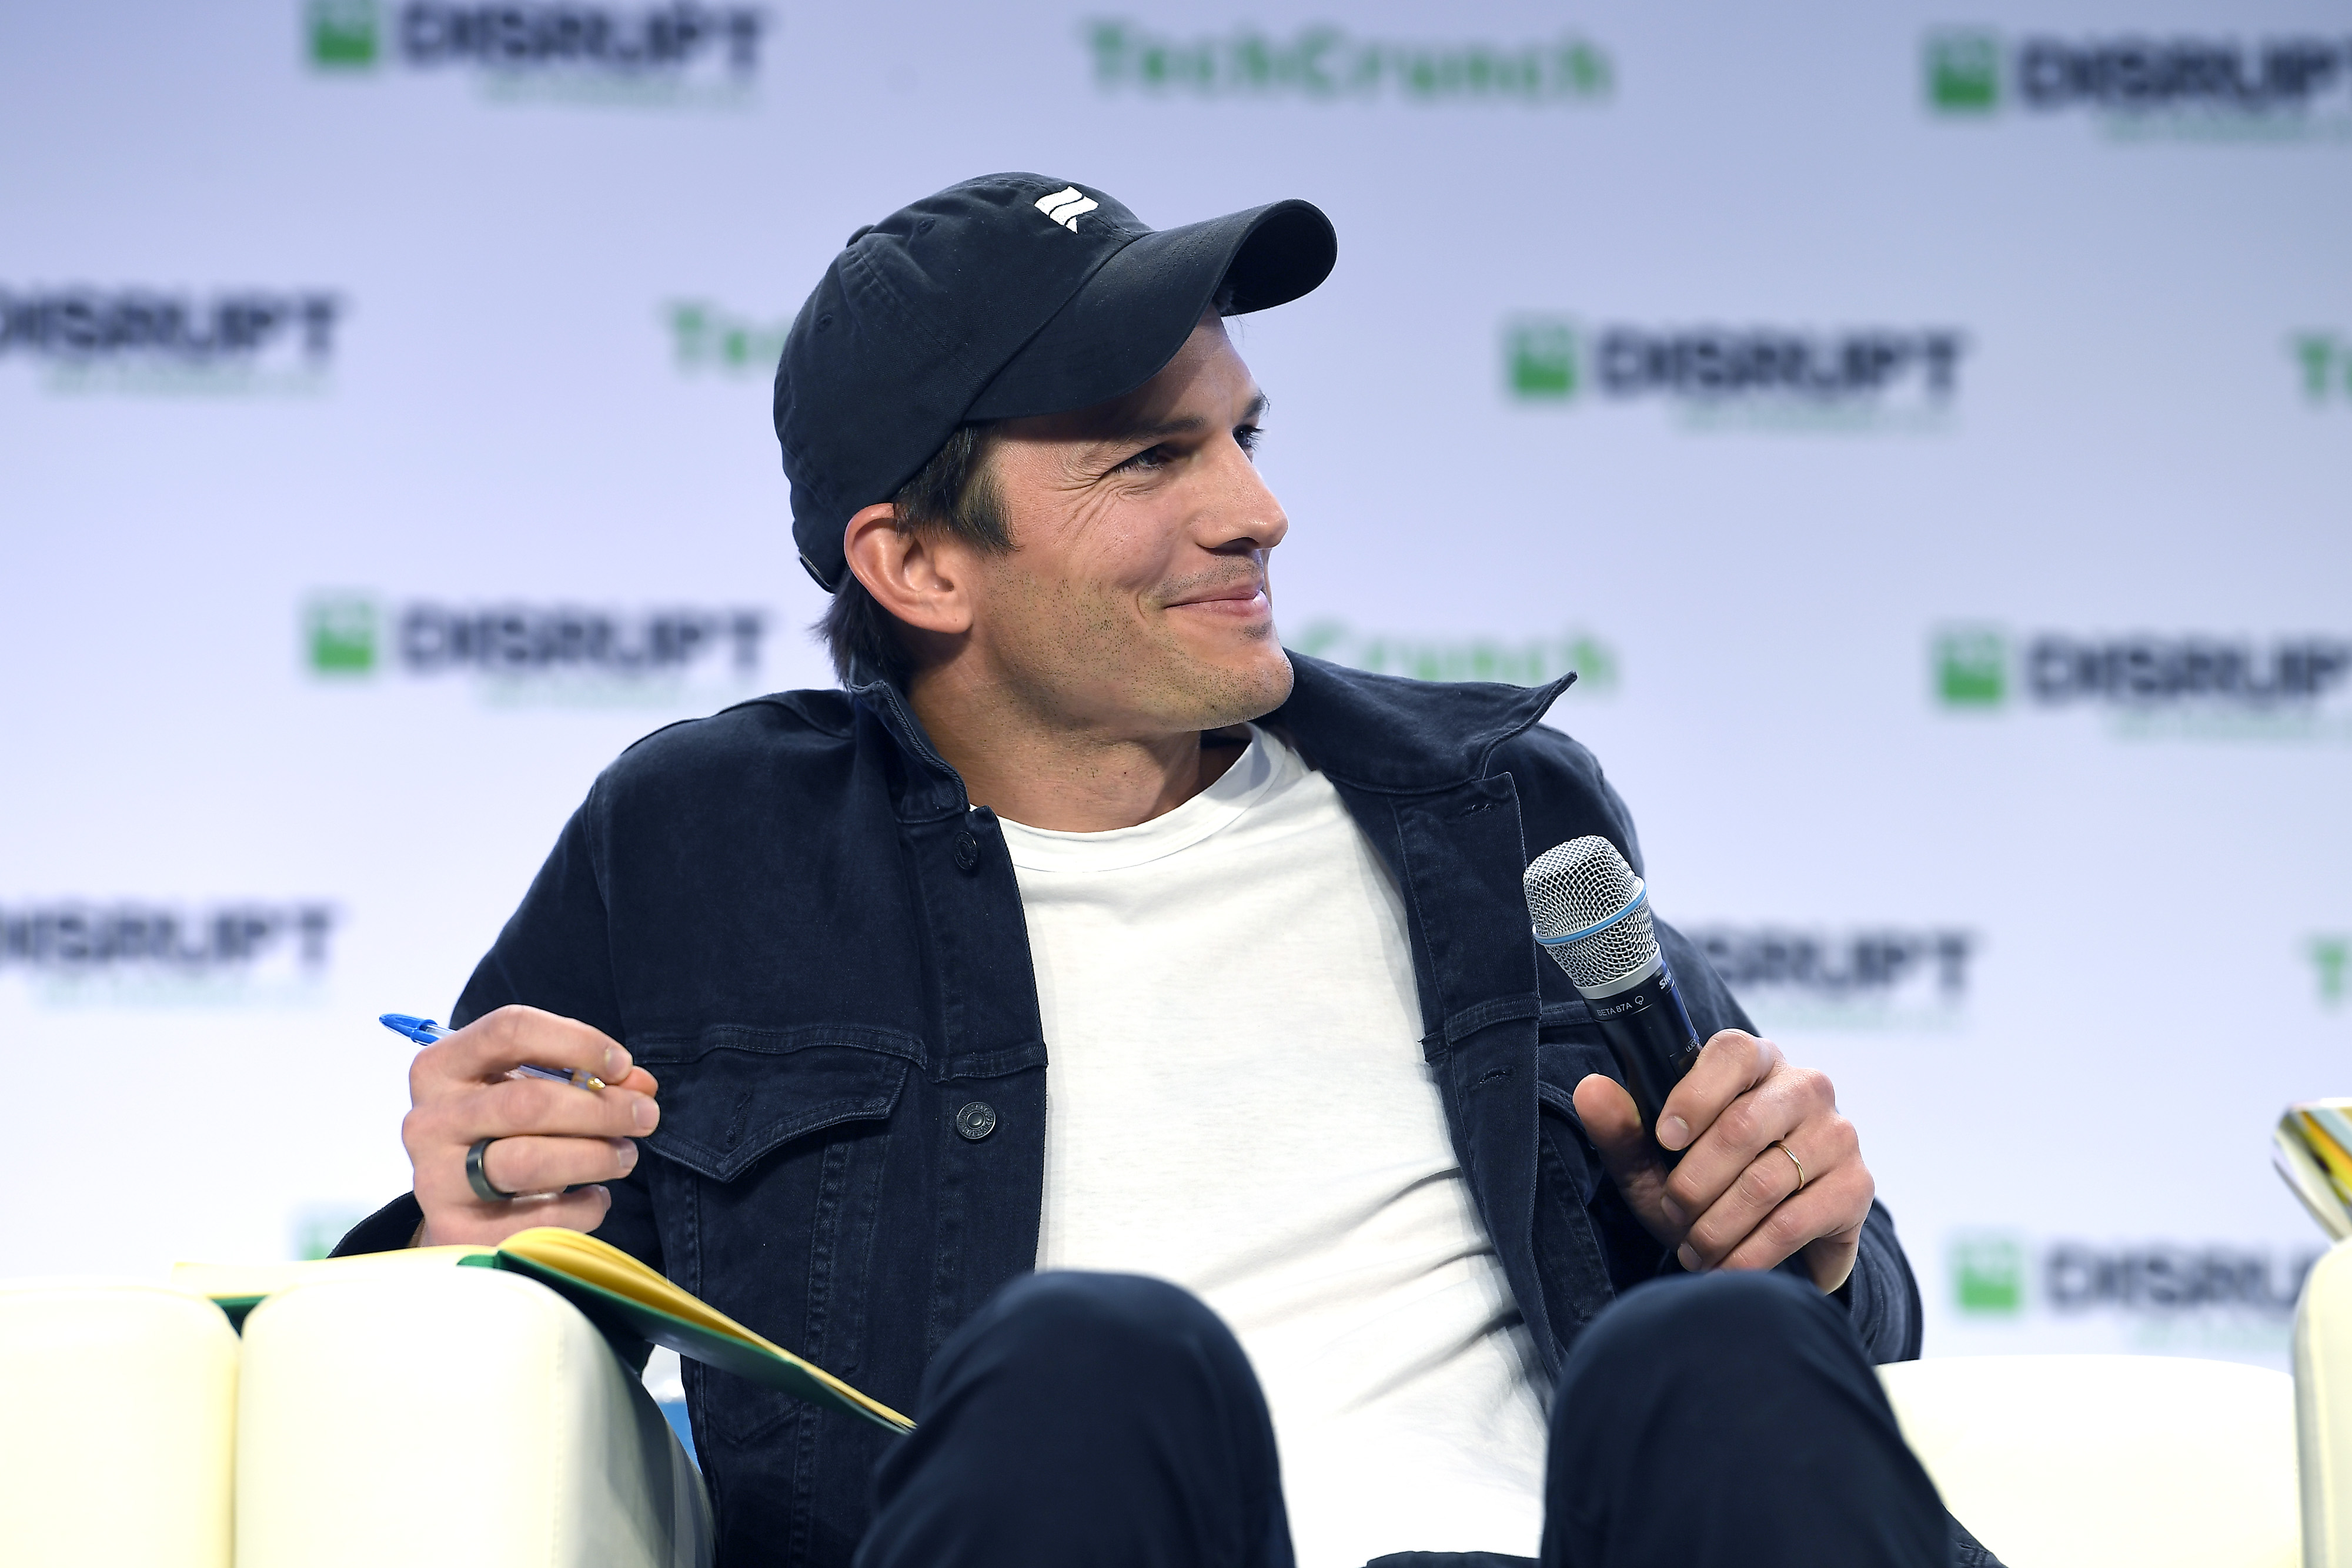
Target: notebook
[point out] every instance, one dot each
(2312, 1149)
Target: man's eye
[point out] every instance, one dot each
(1150, 457)
(1246, 437)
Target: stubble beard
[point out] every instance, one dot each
(1166, 685)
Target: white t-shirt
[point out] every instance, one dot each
(1236, 1101)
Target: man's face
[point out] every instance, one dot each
(1135, 598)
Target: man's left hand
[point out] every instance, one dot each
(1735, 1201)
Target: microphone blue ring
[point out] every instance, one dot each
(1640, 895)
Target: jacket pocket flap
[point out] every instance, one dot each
(734, 1094)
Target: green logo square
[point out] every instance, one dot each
(1989, 1275)
(316, 1230)
(343, 33)
(1542, 361)
(339, 635)
(1963, 73)
(2330, 956)
(1971, 667)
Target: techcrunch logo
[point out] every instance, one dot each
(2218, 86)
(1515, 661)
(78, 950)
(2326, 361)
(161, 340)
(525, 654)
(2211, 686)
(1857, 378)
(707, 338)
(1326, 64)
(1877, 977)
(586, 52)
(2003, 1275)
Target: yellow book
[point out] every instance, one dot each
(2313, 1152)
(2324, 1133)
(620, 1295)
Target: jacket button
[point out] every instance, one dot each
(967, 855)
(976, 1120)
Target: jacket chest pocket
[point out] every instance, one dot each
(767, 1180)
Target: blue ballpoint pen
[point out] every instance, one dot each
(424, 1031)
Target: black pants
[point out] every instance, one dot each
(1086, 1419)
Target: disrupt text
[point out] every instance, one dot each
(666, 38)
(88, 323)
(2147, 670)
(519, 639)
(1866, 964)
(1710, 363)
(2140, 74)
(80, 937)
(2078, 1277)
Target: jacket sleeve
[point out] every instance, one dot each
(554, 954)
(1881, 1296)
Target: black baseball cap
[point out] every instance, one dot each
(1002, 297)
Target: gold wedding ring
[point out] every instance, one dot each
(1783, 1144)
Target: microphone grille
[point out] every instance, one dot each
(1579, 883)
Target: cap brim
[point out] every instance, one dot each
(1127, 321)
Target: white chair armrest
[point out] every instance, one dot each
(2323, 1399)
(466, 1418)
(118, 1415)
(2084, 1461)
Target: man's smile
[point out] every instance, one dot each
(1246, 600)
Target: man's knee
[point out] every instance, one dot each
(1074, 1328)
(1756, 1381)
(1089, 1418)
(1066, 1310)
(1748, 1312)
(1761, 1331)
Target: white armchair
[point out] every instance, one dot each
(2087, 1461)
(466, 1418)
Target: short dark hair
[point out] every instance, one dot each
(952, 493)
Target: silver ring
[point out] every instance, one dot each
(479, 1181)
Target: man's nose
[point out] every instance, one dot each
(1241, 511)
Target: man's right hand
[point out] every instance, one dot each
(549, 1135)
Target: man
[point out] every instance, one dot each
(1090, 931)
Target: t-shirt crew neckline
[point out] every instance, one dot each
(1254, 774)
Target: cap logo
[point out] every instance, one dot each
(1067, 205)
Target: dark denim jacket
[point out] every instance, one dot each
(795, 919)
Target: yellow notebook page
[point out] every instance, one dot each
(2317, 1139)
(607, 1267)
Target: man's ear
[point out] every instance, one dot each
(916, 576)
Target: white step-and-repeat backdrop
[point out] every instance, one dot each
(1928, 429)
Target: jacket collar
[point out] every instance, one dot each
(1381, 733)
(932, 789)
(1401, 737)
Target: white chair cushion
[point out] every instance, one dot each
(118, 1418)
(464, 1417)
(2083, 1461)
(2323, 1394)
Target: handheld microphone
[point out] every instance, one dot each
(1592, 915)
